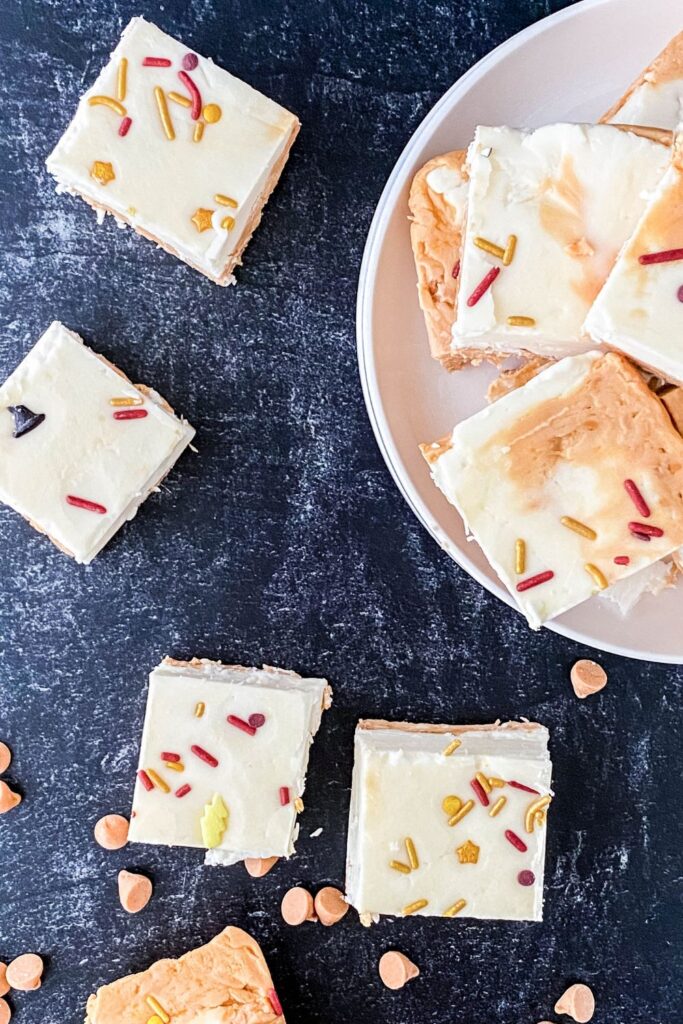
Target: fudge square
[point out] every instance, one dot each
(80, 446)
(448, 820)
(177, 148)
(223, 758)
(568, 484)
(225, 980)
(654, 99)
(547, 213)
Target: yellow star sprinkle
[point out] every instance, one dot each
(468, 853)
(201, 219)
(102, 171)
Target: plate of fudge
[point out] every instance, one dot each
(520, 325)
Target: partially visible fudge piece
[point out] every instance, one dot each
(80, 446)
(223, 758)
(448, 821)
(656, 96)
(225, 980)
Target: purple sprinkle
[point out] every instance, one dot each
(526, 878)
(679, 294)
(256, 721)
(190, 61)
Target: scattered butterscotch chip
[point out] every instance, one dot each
(8, 798)
(4, 984)
(395, 969)
(297, 906)
(5, 757)
(5, 1012)
(25, 972)
(259, 866)
(330, 905)
(577, 1002)
(111, 832)
(587, 677)
(135, 891)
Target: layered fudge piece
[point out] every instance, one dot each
(223, 758)
(640, 309)
(547, 213)
(80, 446)
(176, 147)
(448, 821)
(569, 483)
(225, 980)
(656, 96)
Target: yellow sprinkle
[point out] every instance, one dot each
(465, 809)
(225, 200)
(521, 321)
(228, 223)
(398, 865)
(597, 574)
(483, 781)
(162, 106)
(126, 401)
(412, 854)
(156, 1006)
(452, 747)
(451, 805)
(412, 908)
(535, 813)
(520, 556)
(107, 101)
(214, 822)
(102, 171)
(198, 131)
(212, 113)
(181, 100)
(298, 805)
(202, 219)
(455, 908)
(122, 79)
(158, 781)
(498, 806)
(495, 781)
(175, 766)
(155, 1019)
(491, 247)
(509, 253)
(199, 709)
(577, 527)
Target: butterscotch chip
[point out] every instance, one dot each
(111, 832)
(5, 1012)
(577, 1002)
(395, 969)
(259, 866)
(5, 757)
(8, 798)
(25, 972)
(135, 891)
(4, 984)
(587, 677)
(330, 905)
(297, 906)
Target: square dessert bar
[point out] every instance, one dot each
(223, 758)
(640, 309)
(80, 446)
(448, 820)
(547, 212)
(176, 147)
(225, 980)
(569, 483)
(656, 96)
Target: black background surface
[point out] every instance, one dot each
(285, 541)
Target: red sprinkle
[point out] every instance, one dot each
(535, 581)
(520, 785)
(513, 838)
(456, 268)
(166, 755)
(637, 498)
(645, 530)
(156, 62)
(668, 256)
(194, 93)
(480, 791)
(622, 560)
(526, 878)
(190, 61)
(183, 791)
(483, 287)
(130, 414)
(204, 755)
(284, 795)
(257, 720)
(145, 780)
(275, 1002)
(90, 506)
(239, 723)
(125, 125)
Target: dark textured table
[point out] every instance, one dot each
(284, 540)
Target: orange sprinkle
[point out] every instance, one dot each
(225, 200)
(455, 908)
(126, 401)
(577, 527)
(510, 248)
(165, 117)
(158, 781)
(521, 321)
(520, 556)
(199, 709)
(490, 247)
(198, 131)
(175, 766)
(398, 865)
(498, 806)
(597, 575)
(413, 908)
(107, 101)
(459, 815)
(181, 100)
(228, 223)
(122, 79)
(452, 747)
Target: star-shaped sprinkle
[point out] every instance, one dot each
(201, 219)
(102, 171)
(468, 853)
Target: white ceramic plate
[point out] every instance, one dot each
(569, 67)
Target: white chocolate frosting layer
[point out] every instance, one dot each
(80, 449)
(656, 97)
(251, 769)
(563, 445)
(571, 195)
(400, 779)
(158, 183)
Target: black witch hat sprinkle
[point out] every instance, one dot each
(25, 420)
